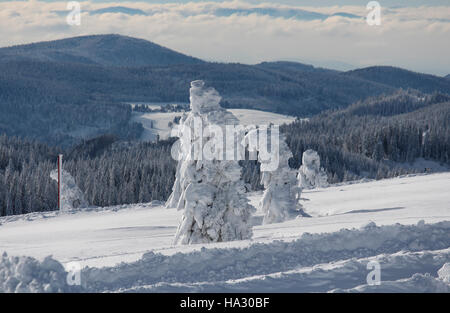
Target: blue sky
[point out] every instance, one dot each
(320, 32)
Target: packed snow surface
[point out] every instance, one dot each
(402, 223)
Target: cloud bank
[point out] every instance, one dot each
(234, 31)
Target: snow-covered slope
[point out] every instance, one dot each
(158, 123)
(352, 225)
(256, 117)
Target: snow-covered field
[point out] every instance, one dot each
(402, 223)
(158, 123)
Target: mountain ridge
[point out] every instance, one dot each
(402, 78)
(106, 50)
(59, 91)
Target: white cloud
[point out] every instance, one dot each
(414, 38)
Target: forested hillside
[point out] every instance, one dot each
(107, 50)
(108, 172)
(401, 78)
(25, 184)
(56, 104)
(69, 97)
(371, 139)
(63, 91)
(295, 92)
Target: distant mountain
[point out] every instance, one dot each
(65, 90)
(277, 90)
(448, 76)
(118, 9)
(401, 102)
(273, 12)
(286, 13)
(107, 50)
(400, 78)
(292, 66)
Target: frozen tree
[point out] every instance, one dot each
(281, 193)
(311, 175)
(208, 188)
(174, 198)
(72, 197)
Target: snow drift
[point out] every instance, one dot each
(26, 274)
(188, 271)
(412, 258)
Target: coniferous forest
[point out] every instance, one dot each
(366, 123)
(372, 139)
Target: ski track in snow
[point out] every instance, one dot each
(276, 262)
(326, 253)
(324, 277)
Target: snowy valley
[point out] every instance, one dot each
(158, 123)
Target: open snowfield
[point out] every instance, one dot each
(158, 123)
(402, 223)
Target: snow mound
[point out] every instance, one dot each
(418, 283)
(217, 264)
(323, 277)
(312, 263)
(26, 274)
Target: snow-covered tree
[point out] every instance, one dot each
(311, 175)
(72, 197)
(281, 193)
(208, 188)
